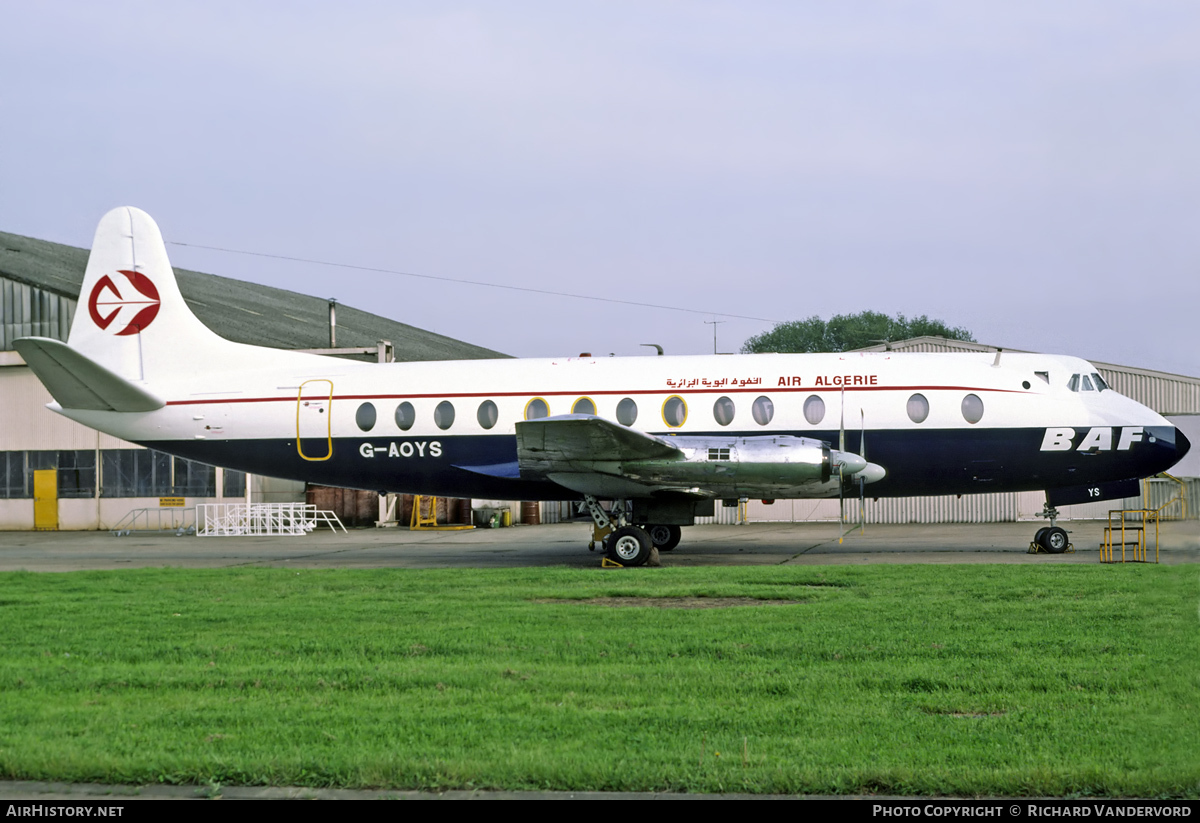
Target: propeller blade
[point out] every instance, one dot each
(841, 469)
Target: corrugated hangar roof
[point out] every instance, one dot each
(240, 311)
(1164, 392)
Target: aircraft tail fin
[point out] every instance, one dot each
(131, 319)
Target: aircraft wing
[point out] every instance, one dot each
(585, 453)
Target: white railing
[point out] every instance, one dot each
(240, 519)
(171, 519)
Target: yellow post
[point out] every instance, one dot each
(45, 500)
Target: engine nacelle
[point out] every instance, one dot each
(771, 466)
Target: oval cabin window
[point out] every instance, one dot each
(488, 414)
(918, 408)
(763, 410)
(674, 411)
(443, 415)
(723, 411)
(406, 415)
(972, 408)
(536, 409)
(365, 417)
(814, 410)
(584, 405)
(626, 412)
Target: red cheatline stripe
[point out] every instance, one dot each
(464, 395)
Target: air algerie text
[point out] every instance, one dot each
(846, 380)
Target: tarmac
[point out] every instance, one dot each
(565, 544)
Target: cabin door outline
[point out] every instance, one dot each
(314, 419)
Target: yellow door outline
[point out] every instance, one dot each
(319, 404)
(45, 500)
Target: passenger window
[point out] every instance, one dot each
(584, 405)
(1073, 383)
(536, 409)
(1087, 383)
(626, 412)
(674, 411)
(814, 409)
(723, 411)
(762, 410)
(488, 414)
(918, 408)
(405, 416)
(365, 417)
(972, 408)
(443, 415)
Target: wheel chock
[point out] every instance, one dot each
(605, 563)
(1036, 548)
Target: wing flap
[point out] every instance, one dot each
(78, 382)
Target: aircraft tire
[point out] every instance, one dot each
(629, 546)
(664, 538)
(1055, 540)
(1037, 538)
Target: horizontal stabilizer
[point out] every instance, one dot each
(78, 382)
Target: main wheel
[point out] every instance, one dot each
(1055, 540)
(1037, 538)
(664, 538)
(629, 546)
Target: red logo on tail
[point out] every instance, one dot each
(145, 305)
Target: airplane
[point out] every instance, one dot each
(662, 437)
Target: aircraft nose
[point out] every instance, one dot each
(1182, 445)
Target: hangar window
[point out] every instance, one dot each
(674, 411)
(918, 408)
(814, 410)
(365, 417)
(443, 415)
(763, 410)
(723, 410)
(537, 408)
(405, 416)
(626, 412)
(584, 405)
(972, 408)
(488, 414)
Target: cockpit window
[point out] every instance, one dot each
(1073, 383)
(1087, 383)
(1045, 375)
(1100, 384)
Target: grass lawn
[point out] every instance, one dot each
(1009, 680)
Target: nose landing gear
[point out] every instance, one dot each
(1050, 539)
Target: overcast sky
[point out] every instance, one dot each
(1028, 170)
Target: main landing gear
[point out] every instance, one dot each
(1050, 539)
(625, 543)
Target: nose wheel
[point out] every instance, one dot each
(1050, 539)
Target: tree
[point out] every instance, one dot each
(848, 331)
